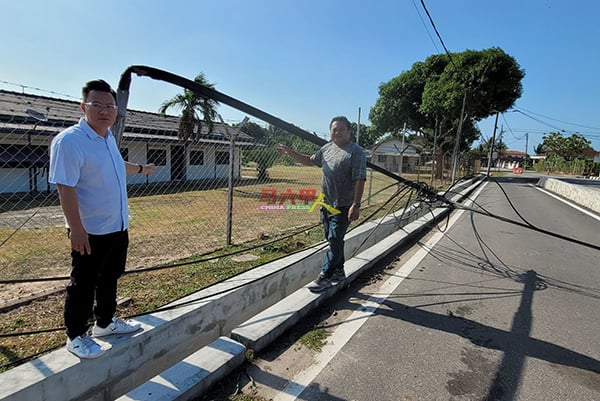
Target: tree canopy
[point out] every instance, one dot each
(191, 104)
(569, 148)
(429, 97)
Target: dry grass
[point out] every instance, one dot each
(165, 228)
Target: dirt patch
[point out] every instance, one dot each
(14, 295)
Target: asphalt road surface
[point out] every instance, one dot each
(481, 309)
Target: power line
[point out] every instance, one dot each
(508, 127)
(435, 29)
(23, 87)
(425, 26)
(588, 136)
(554, 119)
(541, 121)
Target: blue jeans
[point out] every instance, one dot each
(334, 227)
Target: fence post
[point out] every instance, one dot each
(231, 174)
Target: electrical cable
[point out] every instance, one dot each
(436, 30)
(525, 223)
(483, 211)
(186, 263)
(162, 267)
(425, 26)
(195, 300)
(15, 231)
(554, 119)
(540, 121)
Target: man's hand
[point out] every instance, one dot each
(80, 242)
(353, 213)
(148, 169)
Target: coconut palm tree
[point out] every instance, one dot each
(191, 104)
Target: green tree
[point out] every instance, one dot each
(569, 148)
(255, 131)
(262, 153)
(368, 136)
(263, 156)
(539, 149)
(192, 105)
(429, 97)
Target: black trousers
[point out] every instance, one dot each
(94, 277)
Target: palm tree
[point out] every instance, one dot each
(191, 103)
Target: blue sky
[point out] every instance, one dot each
(305, 61)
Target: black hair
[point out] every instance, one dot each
(97, 85)
(342, 119)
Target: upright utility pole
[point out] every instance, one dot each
(492, 145)
(526, 148)
(402, 149)
(358, 129)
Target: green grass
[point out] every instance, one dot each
(315, 339)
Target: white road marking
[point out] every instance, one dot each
(573, 205)
(347, 329)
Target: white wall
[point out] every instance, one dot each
(14, 179)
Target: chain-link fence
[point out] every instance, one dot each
(209, 191)
(214, 193)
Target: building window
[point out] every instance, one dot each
(222, 158)
(157, 156)
(382, 159)
(125, 154)
(196, 157)
(23, 156)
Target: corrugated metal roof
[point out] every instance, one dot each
(14, 108)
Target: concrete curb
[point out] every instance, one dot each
(194, 327)
(193, 376)
(182, 382)
(580, 194)
(262, 329)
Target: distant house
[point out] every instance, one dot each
(511, 159)
(395, 156)
(28, 123)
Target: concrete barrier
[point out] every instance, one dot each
(186, 326)
(580, 194)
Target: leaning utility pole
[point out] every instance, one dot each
(457, 143)
(492, 145)
(433, 155)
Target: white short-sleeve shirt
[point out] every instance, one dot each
(93, 165)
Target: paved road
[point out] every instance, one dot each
(485, 310)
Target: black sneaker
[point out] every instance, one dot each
(338, 276)
(320, 284)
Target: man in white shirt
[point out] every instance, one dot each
(89, 173)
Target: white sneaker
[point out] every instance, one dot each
(320, 284)
(117, 326)
(84, 347)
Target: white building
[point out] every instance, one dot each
(28, 123)
(392, 153)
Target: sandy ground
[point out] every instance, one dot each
(16, 294)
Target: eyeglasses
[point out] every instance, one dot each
(99, 106)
